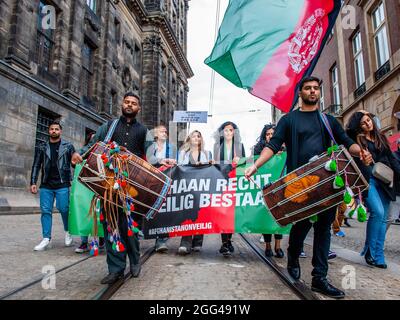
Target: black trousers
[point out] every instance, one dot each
(268, 237)
(322, 241)
(192, 241)
(116, 261)
(225, 237)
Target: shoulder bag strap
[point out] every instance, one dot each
(111, 131)
(325, 121)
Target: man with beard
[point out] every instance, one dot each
(305, 136)
(53, 159)
(128, 133)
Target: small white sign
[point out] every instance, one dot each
(190, 116)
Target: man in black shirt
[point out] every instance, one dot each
(305, 137)
(53, 159)
(131, 134)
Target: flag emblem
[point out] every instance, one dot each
(304, 45)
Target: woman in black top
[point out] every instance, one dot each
(363, 129)
(228, 148)
(266, 135)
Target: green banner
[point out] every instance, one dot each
(80, 223)
(252, 216)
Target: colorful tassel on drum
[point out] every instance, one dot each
(349, 213)
(361, 213)
(348, 195)
(331, 165)
(338, 183)
(332, 149)
(94, 248)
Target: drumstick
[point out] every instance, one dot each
(257, 185)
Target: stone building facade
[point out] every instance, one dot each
(73, 60)
(360, 64)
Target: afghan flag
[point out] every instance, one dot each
(216, 199)
(268, 46)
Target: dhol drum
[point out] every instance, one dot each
(314, 187)
(122, 179)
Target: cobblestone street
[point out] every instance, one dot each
(203, 275)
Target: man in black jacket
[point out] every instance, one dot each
(130, 134)
(53, 159)
(305, 136)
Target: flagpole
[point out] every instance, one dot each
(212, 84)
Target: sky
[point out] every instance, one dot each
(230, 103)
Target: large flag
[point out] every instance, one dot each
(268, 46)
(216, 199)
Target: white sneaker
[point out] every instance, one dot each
(43, 245)
(183, 250)
(68, 239)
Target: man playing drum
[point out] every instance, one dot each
(305, 136)
(130, 134)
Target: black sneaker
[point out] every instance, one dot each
(322, 285)
(102, 244)
(224, 250)
(230, 247)
(135, 270)
(293, 267)
(84, 247)
(346, 223)
(331, 255)
(269, 253)
(279, 253)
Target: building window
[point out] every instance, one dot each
(358, 60)
(44, 42)
(380, 35)
(45, 117)
(137, 57)
(335, 89)
(112, 101)
(322, 100)
(117, 26)
(164, 75)
(87, 70)
(92, 4)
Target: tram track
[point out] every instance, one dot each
(297, 287)
(39, 279)
(107, 292)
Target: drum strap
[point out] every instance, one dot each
(325, 121)
(111, 131)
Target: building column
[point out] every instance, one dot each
(151, 78)
(71, 87)
(21, 33)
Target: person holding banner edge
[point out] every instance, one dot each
(228, 149)
(127, 132)
(161, 153)
(306, 135)
(193, 152)
(266, 135)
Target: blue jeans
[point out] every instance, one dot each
(378, 206)
(47, 197)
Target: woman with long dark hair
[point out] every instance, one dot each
(362, 128)
(228, 149)
(266, 135)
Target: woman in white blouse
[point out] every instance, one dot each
(192, 152)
